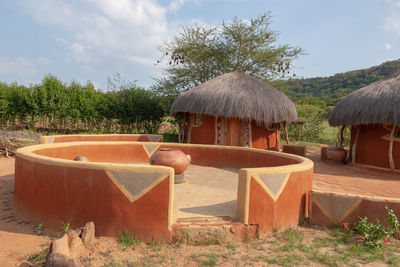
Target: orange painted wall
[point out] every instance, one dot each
(51, 194)
(261, 208)
(204, 133)
(75, 138)
(130, 153)
(134, 153)
(238, 158)
(372, 149)
(262, 138)
(372, 209)
(289, 208)
(292, 204)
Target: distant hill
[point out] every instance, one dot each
(333, 88)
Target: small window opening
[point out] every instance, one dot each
(197, 120)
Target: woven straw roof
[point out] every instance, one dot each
(238, 95)
(378, 102)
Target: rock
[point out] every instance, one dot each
(60, 246)
(59, 260)
(76, 246)
(74, 263)
(88, 234)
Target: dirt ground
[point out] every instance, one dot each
(18, 239)
(342, 178)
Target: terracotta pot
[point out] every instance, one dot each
(174, 158)
(339, 155)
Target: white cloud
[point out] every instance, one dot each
(97, 30)
(175, 5)
(17, 67)
(388, 46)
(392, 22)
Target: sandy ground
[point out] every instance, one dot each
(17, 238)
(207, 191)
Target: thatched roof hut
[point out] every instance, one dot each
(374, 113)
(234, 102)
(378, 102)
(237, 95)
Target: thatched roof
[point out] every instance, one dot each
(238, 95)
(378, 102)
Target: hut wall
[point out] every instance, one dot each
(263, 138)
(372, 149)
(203, 133)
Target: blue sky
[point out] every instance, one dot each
(94, 39)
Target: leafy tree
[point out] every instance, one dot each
(201, 53)
(311, 118)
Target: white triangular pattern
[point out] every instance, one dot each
(154, 138)
(135, 182)
(274, 182)
(150, 148)
(336, 207)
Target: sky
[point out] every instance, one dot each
(91, 40)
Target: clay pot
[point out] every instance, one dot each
(338, 155)
(174, 158)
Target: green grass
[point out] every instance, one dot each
(127, 240)
(206, 259)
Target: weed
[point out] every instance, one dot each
(127, 240)
(208, 259)
(231, 246)
(289, 259)
(38, 229)
(155, 245)
(38, 258)
(65, 227)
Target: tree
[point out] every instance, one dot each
(201, 53)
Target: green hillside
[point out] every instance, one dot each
(333, 88)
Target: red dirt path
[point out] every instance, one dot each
(337, 177)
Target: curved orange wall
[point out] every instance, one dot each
(50, 187)
(103, 137)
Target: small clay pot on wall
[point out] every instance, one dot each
(173, 158)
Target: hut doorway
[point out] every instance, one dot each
(234, 132)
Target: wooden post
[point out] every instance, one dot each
(354, 148)
(391, 162)
(181, 136)
(250, 135)
(216, 130)
(276, 138)
(286, 133)
(341, 135)
(190, 127)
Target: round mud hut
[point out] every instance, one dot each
(234, 109)
(374, 113)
